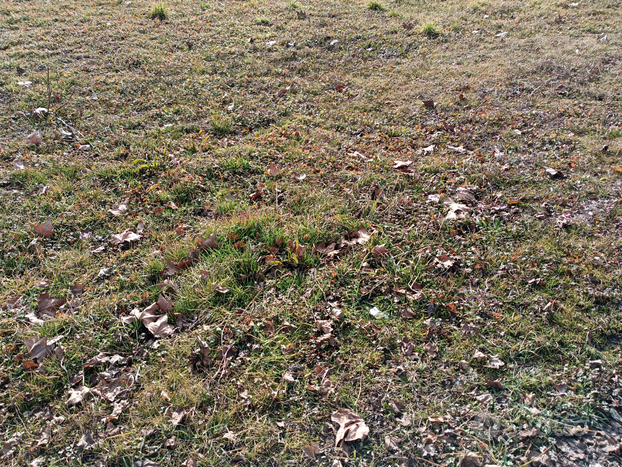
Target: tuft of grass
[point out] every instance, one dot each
(262, 21)
(375, 6)
(159, 12)
(430, 30)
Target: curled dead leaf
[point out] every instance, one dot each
(351, 426)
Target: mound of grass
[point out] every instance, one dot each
(158, 11)
(375, 6)
(430, 30)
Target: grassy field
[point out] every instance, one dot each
(224, 222)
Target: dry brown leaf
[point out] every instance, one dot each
(76, 396)
(529, 399)
(34, 138)
(470, 459)
(312, 450)
(380, 250)
(39, 348)
(46, 229)
(119, 210)
(125, 237)
(164, 304)
(495, 362)
(157, 325)
(48, 306)
(325, 326)
(44, 436)
(209, 242)
(351, 426)
(429, 103)
(494, 384)
(479, 356)
(468, 329)
(220, 289)
(431, 349)
(445, 261)
(407, 313)
(391, 443)
(457, 211)
(178, 416)
(86, 442)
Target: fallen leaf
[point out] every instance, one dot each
(403, 166)
(125, 237)
(445, 261)
(484, 398)
(48, 306)
(431, 349)
(429, 103)
(457, 211)
(46, 229)
(470, 459)
(86, 442)
(391, 443)
(427, 150)
(495, 362)
(464, 195)
(44, 436)
(380, 250)
(34, 138)
(406, 420)
(554, 174)
(312, 450)
(407, 313)
(494, 384)
(164, 304)
(157, 325)
(146, 463)
(351, 426)
(460, 149)
(76, 396)
(529, 399)
(220, 289)
(530, 433)
(561, 388)
(468, 329)
(178, 416)
(274, 169)
(119, 210)
(479, 356)
(39, 348)
(324, 326)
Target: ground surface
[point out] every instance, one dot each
(410, 210)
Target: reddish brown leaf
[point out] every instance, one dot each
(48, 306)
(46, 229)
(380, 250)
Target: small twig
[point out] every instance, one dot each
(49, 88)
